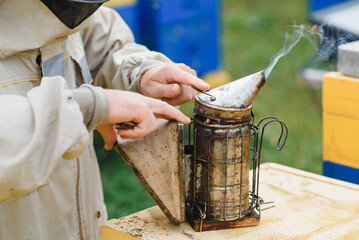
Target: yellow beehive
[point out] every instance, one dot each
(119, 3)
(217, 78)
(341, 119)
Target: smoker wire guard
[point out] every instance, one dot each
(255, 202)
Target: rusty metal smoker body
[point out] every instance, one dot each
(221, 166)
(219, 190)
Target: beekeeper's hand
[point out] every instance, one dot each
(128, 106)
(171, 83)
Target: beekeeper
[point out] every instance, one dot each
(58, 61)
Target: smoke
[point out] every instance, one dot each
(292, 37)
(329, 39)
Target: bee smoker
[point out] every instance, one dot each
(212, 182)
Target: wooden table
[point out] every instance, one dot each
(307, 206)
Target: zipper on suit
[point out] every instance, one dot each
(78, 199)
(39, 63)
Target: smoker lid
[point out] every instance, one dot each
(238, 94)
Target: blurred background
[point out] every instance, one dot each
(226, 40)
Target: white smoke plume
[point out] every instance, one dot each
(329, 39)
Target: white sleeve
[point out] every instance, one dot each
(36, 132)
(115, 60)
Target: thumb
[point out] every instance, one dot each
(109, 135)
(160, 90)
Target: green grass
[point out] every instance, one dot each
(253, 31)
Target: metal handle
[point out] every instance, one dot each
(213, 98)
(126, 125)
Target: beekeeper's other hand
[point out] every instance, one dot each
(129, 106)
(171, 83)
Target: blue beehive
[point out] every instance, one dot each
(129, 11)
(340, 172)
(187, 31)
(315, 5)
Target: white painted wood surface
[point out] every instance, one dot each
(307, 206)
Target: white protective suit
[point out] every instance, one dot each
(50, 186)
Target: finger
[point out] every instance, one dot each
(108, 134)
(177, 75)
(184, 121)
(160, 90)
(140, 130)
(184, 67)
(164, 110)
(187, 94)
